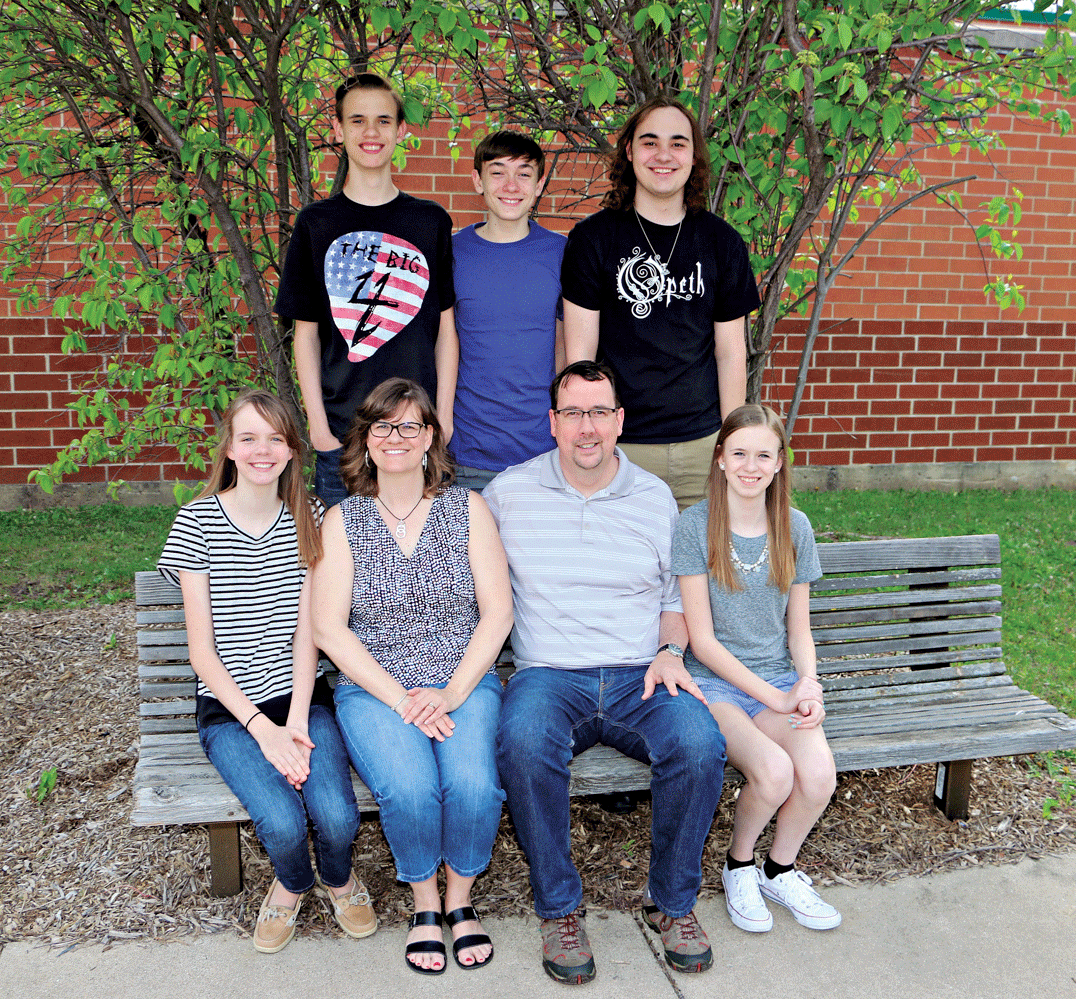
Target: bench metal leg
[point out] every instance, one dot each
(225, 870)
(952, 788)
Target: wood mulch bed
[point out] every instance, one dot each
(73, 870)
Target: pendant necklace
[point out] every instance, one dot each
(757, 564)
(654, 253)
(401, 525)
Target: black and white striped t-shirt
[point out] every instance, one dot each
(254, 586)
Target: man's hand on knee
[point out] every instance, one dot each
(671, 671)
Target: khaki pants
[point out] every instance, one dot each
(684, 466)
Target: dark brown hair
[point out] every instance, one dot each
(360, 474)
(367, 81)
(778, 502)
(621, 193)
(290, 487)
(589, 371)
(510, 145)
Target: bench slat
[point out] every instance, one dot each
(151, 639)
(173, 615)
(873, 610)
(832, 650)
(912, 661)
(1037, 735)
(909, 553)
(836, 683)
(954, 629)
(164, 653)
(152, 589)
(838, 695)
(835, 581)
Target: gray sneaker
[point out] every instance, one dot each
(566, 953)
(793, 890)
(744, 901)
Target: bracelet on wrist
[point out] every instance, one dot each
(399, 702)
(252, 717)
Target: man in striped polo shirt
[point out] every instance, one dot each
(598, 642)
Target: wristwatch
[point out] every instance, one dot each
(673, 650)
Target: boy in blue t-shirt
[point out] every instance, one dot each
(507, 280)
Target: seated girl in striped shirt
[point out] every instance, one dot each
(240, 552)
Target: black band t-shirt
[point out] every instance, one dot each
(375, 279)
(659, 290)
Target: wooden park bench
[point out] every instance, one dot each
(908, 635)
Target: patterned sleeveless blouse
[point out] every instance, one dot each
(415, 614)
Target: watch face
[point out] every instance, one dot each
(673, 650)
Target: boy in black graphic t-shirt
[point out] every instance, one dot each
(659, 289)
(368, 281)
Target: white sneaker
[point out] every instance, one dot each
(744, 901)
(793, 890)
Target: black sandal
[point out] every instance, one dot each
(463, 915)
(428, 918)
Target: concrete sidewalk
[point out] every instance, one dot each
(1004, 932)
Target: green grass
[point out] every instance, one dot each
(1037, 529)
(71, 557)
(65, 558)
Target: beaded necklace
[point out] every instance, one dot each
(754, 566)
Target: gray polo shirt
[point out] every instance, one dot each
(590, 575)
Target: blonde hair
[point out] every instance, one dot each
(290, 487)
(782, 556)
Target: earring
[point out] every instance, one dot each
(366, 460)
(425, 461)
(722, 467)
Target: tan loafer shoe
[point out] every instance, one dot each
(353, 911)
(276, 924)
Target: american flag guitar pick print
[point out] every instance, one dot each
(376, 284)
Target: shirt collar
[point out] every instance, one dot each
(551, 476)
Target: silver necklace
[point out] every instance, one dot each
(757, 564)
(654, 253)
(401, 522)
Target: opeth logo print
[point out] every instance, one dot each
(644, 279)
(376, 283)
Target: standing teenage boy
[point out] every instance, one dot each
(659, 288)
(507, 277)
(368, 282)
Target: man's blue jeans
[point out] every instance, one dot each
(280, 813)
(438, 800)
(550, 715)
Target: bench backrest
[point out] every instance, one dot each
(922, 609)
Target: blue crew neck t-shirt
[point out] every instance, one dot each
(507, 302)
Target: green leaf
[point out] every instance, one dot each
(844, 33)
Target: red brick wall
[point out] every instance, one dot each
(914, 365)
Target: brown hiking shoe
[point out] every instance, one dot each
(566, 953)
(686, 947)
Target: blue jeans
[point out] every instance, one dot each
(328, 486)
(550, 715)
(280, 813)
(439, 801)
